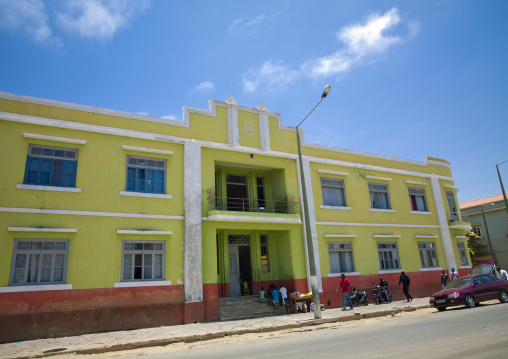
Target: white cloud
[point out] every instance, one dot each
(247, 29)
(142, 113)
(99, 19)
(27, 15)
(169, 117)
(205, 86)
(361, 41)
(271, 76)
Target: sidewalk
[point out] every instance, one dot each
(130, 339)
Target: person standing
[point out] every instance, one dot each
(345, 286)
(404, 279)
(453, 274)
(444, 279)
(502, 273)
(284, 296)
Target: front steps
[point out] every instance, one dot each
(246, 307)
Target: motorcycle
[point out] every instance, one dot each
(358, 298)
(379, 297)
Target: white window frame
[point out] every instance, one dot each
(477, 229)
(341, 247)
(133, 252)
(40, 252)
(334, 184)
(373, 190)
(426, 249)
(383, 259)
(418, 192)
(145, 167)
(461, 247)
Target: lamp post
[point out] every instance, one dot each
(487, 230)
(308, 232)
(502, 188)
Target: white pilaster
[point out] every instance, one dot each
(233, 136)
(193, 256)
(443, 222)
(312, 217)
(264, 130)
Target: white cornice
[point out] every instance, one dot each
(416, 182)
(333, 172)
(102, 111)
(211, 112)
(88, 213)
(378, 178)
(339, 235)
(220, 218)
(143, 149)
(386, 236)
(376, 225)
(38, 229)
(53, 138)
(130, 231)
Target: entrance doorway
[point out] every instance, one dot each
(239, 263)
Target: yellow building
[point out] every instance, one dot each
(112, 220)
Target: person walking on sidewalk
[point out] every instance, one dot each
(404, 279)
(444, 279)
(345, 285)
(453, 274)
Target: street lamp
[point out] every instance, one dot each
(308, 232)
(502, 188)
(487, 230)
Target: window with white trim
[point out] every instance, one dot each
(333, 192)
(454, 214)
(379, 196)
(428, 257)
(51, 166)
(477, 229)
(39, 261)
(388, 255)
(341, 257)
(143, 260)
(417, 199)
(147, 175)
(462, 253)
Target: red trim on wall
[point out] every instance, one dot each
(75, 299)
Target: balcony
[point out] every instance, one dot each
(253, 205)
(453, 217)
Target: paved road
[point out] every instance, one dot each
(456, 333)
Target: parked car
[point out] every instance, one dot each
(470, 291)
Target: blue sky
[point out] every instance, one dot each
(409, 78)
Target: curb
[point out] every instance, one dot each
(209, 336)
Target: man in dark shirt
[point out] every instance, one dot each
(384, 286)
(404, 279)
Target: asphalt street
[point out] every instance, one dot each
(455, 333)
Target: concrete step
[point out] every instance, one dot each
(245, 307)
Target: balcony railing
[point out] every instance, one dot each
(453, 217)
(253, 205)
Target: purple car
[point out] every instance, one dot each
(470, 291)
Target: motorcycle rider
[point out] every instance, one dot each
(384, 288)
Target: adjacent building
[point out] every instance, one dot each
(112, 220)
(492, 227)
